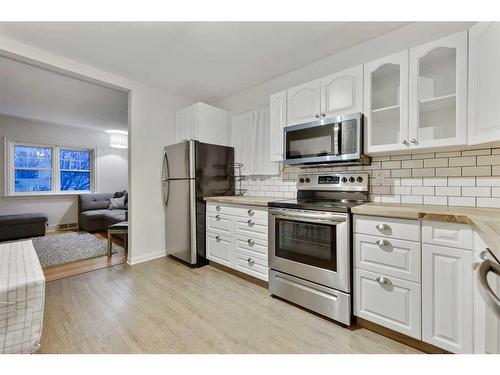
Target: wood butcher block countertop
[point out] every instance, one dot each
(485, 220)
(241, 199)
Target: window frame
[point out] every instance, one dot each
(56, 170)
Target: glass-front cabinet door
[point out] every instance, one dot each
(386, 103)
(438, 93)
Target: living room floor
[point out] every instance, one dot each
(82, 266)
(163, 306)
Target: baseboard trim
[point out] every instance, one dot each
(396, 336)
(239, 274)
(144, 258)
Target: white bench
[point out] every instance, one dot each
(22, 298)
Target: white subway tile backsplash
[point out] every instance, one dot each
(444, 178)
(476, 191)
(462, 201)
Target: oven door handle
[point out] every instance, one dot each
(332, 218)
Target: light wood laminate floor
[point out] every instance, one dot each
(163, 306)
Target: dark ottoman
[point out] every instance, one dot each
(13, 227)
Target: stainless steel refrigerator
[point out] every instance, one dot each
(193, 170)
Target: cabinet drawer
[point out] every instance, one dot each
(251, 228)
(249, 264)
(448, 234)
(219, 248)
(391, 257)
(218, 222)
(395, 304)
(218, 208)
(253, 245)
(387, 227)
(250, 212)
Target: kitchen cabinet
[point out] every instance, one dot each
(486, 323)
(237, 238)
(438, 93)
(303, 103)
(204, 123)
(386, 103)
(484, 83)
(277, 113)
(342, 92)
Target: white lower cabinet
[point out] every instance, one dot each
(237, 238)
(388, 301)
(447, 298)
(421, 288)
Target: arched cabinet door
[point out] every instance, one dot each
(438, 93)
(386, 103)
(484, 83)
(342, 93)
(303, 103)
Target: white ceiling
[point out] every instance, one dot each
(34, 93)
(204, 61)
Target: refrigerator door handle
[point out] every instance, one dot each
(165, 167)
(166, 192)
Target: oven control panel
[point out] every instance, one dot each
(333, 181)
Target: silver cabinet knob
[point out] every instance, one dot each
(383, 243)
(323, 114)
(483, 255)
(250, 261)
(250, 222)
(251, 242)
(475, 265)
(218, 238)
(382, 227)
(250, 212)
(404, 141)
(218, 208)
(316, 115)
(383, 280)
(217, 217)
(414, 141)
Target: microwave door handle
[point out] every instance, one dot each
(336, 139)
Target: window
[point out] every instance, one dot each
(43, 169)
(75, 169)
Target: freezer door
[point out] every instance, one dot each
(214, 170)
(180, 219)
(178, 161)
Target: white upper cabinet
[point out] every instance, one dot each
(484, 83)
(304, 103)
(386, 103)
(204, 123)
(342, 92)
(277, 109)
(438, 93)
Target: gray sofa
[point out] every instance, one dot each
(94, 214)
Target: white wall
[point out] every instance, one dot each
(111, 165)
(397, 40)
(151, 125)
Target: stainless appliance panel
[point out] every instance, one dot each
(178, 161)
(180, 218)
(323, 300)
(303, 264)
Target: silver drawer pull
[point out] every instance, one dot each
(383, 243)
(218, 208)
(217, 217)
(250, 222)
(251, 242)
(250, 212)
(383, 280)
(250, 261)
(382, 227)
(217, 238)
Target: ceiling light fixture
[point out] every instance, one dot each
(118, 138)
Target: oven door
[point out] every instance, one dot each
(312, 245)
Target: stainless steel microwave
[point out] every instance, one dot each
(337, 140)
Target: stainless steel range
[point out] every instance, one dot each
(310, 243)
